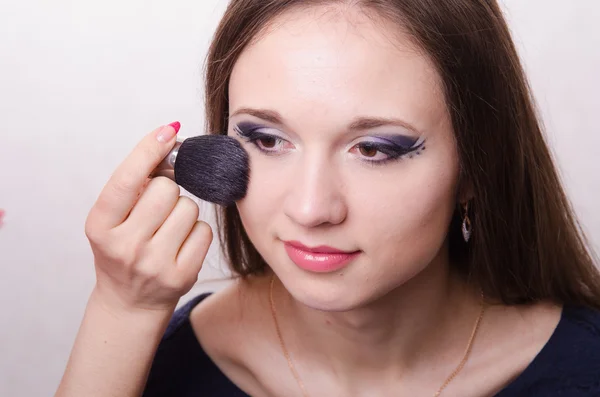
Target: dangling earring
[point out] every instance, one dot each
(466, 224)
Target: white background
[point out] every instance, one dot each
(82, 81)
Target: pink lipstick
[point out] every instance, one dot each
(321, 259)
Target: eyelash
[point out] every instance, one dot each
(394, 153)
(253, 136)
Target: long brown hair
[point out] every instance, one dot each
(527, 245)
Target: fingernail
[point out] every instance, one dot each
(166, 134)
(176, 125)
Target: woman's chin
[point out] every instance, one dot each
(330, 294)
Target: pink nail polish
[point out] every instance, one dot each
(165, 134)
(176, 125)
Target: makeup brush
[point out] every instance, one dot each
(211, 167)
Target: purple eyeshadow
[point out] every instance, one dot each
(402, 141)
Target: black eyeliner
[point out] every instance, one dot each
(250, 132)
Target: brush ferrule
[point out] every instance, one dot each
(167, 165)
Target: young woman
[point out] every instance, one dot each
(404, 233)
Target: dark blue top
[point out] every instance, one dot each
(567, 366)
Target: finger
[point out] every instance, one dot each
(139, 194)
(193, 251)
(121, 191)
(152, 208)
(178, 225)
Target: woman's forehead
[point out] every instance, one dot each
(336, 68)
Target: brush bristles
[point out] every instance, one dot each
(213, 168)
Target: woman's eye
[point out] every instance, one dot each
(368, 150)
(381, 150)
(264, 142)
(268, 142)
(373, 152)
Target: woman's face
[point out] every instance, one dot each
(350, 147)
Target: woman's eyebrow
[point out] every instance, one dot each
(358, 124)
(268, 115)
(366, 123)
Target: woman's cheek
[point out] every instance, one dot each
(406, 216)
(260, 205)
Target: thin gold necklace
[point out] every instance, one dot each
(301, 384)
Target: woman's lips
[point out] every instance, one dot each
(319, 259)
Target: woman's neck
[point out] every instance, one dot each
(412, 328)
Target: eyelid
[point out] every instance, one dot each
(250, 130)
(403, 141)
(392, 142)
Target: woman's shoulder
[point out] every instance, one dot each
(585, 320)
(576, 345)
(233, 326)
(181, 367)
(199, 351)
(569, 363)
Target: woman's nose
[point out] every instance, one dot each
(315, 195)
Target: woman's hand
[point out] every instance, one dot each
(147, 242)
(148, 249)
